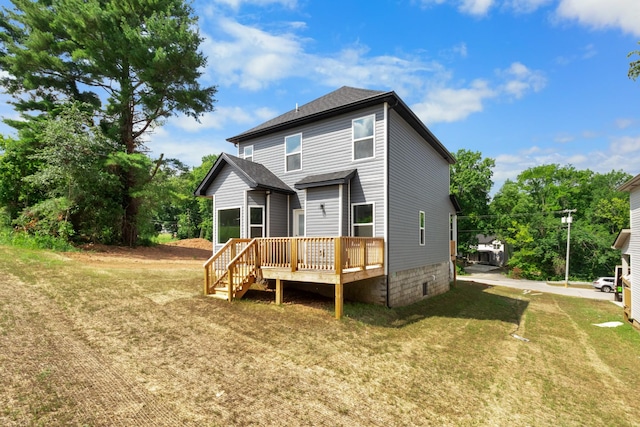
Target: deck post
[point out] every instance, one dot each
(230, 286)
(207, 277)
(363, 254)
(339, 300)
(294, 254)
(279, 293)
(337, 250)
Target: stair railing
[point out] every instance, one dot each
(216, 267)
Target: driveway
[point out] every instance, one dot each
(490, 275)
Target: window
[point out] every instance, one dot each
(363, 220)
(363, 137)
(248, 153)
(293, 152)
(228, 224)
(256, 222)
(421, 226)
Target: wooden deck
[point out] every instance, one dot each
(332, 260)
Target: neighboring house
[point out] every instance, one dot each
(490, 251)
(628, 241)
(352, 185)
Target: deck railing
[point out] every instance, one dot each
(241, 258)
(319, 253)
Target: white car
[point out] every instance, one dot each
(605, 284)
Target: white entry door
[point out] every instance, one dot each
(298, 223)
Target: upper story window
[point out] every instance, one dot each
(293, 152)
(363, 134)
(248, 153)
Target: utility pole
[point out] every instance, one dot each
(567, 220)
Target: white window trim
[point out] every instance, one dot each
(373, 214)
(354, 140)
(244, 151)
(289, 154)
(422, 236)
(218, 221)
(250, 225)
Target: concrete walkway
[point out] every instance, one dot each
(490, 275)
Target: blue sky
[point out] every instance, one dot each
(525, 82)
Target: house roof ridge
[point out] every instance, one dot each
(258, 175)
(340, 101)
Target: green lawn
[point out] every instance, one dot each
(101, 343)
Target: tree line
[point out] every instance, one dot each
(526, 213)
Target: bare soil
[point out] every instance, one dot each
(180, 253)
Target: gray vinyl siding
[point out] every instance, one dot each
(323, 222)
(346, 208)
(256, 198)
(228, 189)
(277, 216)
(418, 181)
(327, 147)
(634, 250)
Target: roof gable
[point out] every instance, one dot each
(340, 101)
(256, 174)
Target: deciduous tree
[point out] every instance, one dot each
(136, 62)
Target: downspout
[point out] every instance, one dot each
(340, 209)
(246, 215)
(386, 201)
(288, 215)
(267, 214)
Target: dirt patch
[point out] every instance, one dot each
(188, 251)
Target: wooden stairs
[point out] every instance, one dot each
(231, 271)
(221, 288)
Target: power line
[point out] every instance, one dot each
(510, 215)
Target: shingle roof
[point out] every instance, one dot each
(336, 99)
(258, 175)
(341, 101)
(321, 180)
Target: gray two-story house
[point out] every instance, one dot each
(350, 189)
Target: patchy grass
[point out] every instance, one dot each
(124, 344)
(163, 238)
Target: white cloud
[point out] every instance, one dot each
(625, 144)
(450, 105)
(471, 7)
(534, 149)
(563, 138)
(236, 4)
(520, 80)
(250, 57)
(446, 104)
(188, 148)
(218, 119)
(577, 160)
(623, 123)
(526, 6)
(476, 7)
(601, 14)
